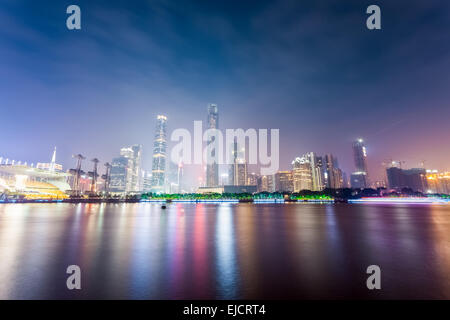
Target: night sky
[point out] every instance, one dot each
(310, 68)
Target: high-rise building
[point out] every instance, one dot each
(333, 175)
(301, 174)
(317, 177)
(118, 174)
(266, 183)
(212, 169)
(284, 181)
(159, 155)
(360, 178)
(146, 181)
(238, 170)
(252, 179)
(134, 154)
(415, 178)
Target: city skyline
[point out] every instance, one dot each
(279, 77)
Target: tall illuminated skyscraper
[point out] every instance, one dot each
(238, 170)
(212, 169)
(301, 174)
(159, 154)
(133, 179)
(316, 171)
(360, 178)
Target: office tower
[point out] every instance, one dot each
(284, 181)
(238, 169)
(317, 176)
(360, 178)
(118, 174)
(266, 183)
(159, 155)
(345, 182)
(212, 169)
(252, 179)
(301, 174)
(171, 184)
(146, 181)
(334, 179)
(134, 154)
(415, 178)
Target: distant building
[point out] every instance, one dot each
(134, 155)
(203, 190)
(438, 182)
(333, 175)
(118, 174)
(146, 181)
(266, 183)
(238, 169)
(212, 169)
(317, 176)
(360, 178)
(240, 189)
(415, 179)
(252, 179)
(301, 174)
(159, 155)
(284, 181)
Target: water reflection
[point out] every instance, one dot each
(225, 251)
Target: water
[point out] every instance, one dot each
(224, 251)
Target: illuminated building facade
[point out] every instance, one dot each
(133, 177)
(284, 181)
(159, 155)
(266, 183)
(252, 179)
(212, 169)
(118, 174)
(238, 170)
(438, 182)
(360, 178)
(317, 176)
(301, 174)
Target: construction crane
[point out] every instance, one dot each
(107, 176)
(77, 172)
(94, 174)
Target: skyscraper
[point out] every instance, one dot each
(266, 184)
(301, 174)
(238, 170)
(334, 179)
(283, 181)
(317, 176)
(118, 174)
(360, 178)
(212, 169)
(133, 179)
(159, 155)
